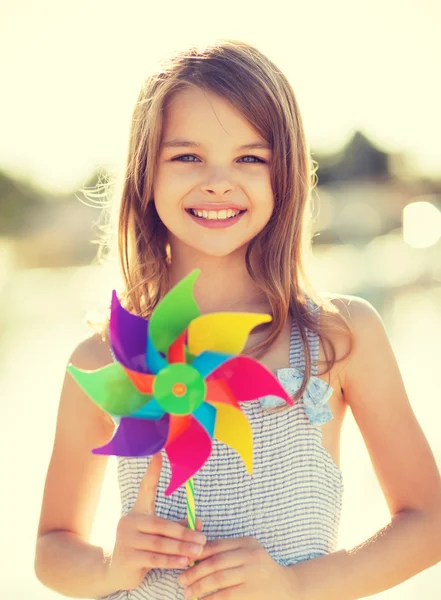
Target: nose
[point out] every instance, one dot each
(219, 184)
(218, 188)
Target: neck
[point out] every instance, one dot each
(223, 284)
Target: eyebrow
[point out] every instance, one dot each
(177, 143)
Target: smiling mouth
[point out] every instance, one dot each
(215, 215)
(221, 219)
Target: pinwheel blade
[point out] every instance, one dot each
(224, 332)
(155, 361)
(189, 357)
(233, 428)
(110, 388)
(178, 424)
(174, 313)
(176, 352)
(150, 410)
(187, 454)
(142, 381)
(218, 391)
(206, 415)
(136, 437)
(248, 380)
(208, 361)
(128, 336)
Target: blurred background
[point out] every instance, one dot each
(364, 74)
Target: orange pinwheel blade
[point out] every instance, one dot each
(178, 424)
(219, 391)
(176, 351)
(142, 381)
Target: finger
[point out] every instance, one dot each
(227, 560)
(199, 523)
(158, 544)
(220, 545)
(146, 497)
(217, 581)
(154, 525)
(152, 560)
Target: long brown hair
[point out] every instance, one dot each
(241, 74)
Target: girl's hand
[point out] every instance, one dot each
(145, 541)
(238, 569)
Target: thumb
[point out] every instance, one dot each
(146, 498)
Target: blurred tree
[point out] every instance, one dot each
(17, 202)
(359, 159)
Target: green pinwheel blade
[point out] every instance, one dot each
(189, 357)
(174, 313)
(110, 388)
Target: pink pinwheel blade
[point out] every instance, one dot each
(248, 379)
(187, 454)
(137, 437)
(128, 337)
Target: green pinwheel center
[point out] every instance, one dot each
(179, 389)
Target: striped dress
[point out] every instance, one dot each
(291, 503)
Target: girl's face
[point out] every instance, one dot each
(207, 171)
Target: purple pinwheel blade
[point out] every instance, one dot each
(128, 337)
(137, 437)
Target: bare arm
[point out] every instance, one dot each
(65, 561)
(406, 470)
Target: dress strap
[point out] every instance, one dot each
(317, 392)
(296, 351)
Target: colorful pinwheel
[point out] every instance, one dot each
(176, 382)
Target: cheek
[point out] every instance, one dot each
(266, 205)
(165, 209)
(171, 177)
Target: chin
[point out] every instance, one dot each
(219, 251)
(207, 249)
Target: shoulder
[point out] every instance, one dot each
(356, 310)
(367, 333)
(371, 356)
(93, 352)
(90, 354)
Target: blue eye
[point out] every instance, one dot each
(178, 158)
(258, 159)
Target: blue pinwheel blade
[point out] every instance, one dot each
(150, 410)
(155, 360)
(206, 362)
(206, 415)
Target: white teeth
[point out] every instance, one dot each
(215, 214)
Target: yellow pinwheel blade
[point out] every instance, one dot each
(222, 332)
(233, 428)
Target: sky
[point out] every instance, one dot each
(70, 73)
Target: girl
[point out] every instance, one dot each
(219, 178)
